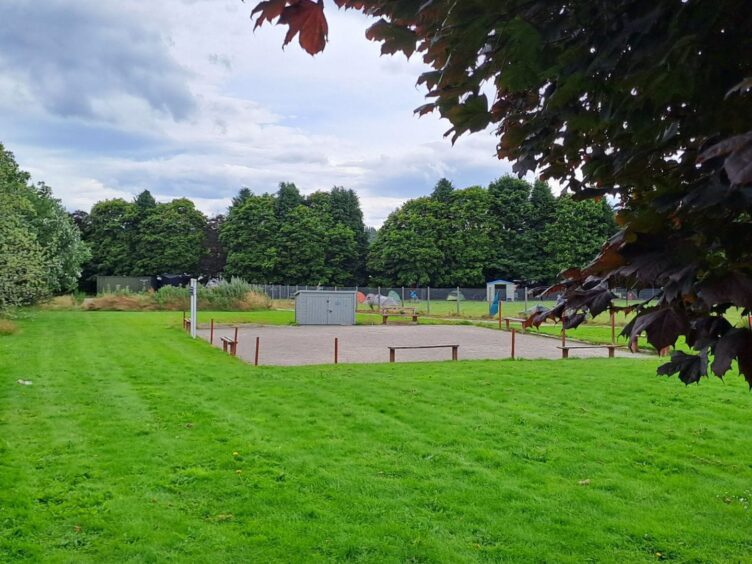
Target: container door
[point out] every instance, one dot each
(340, 309)
(319, 309)
(311, 309)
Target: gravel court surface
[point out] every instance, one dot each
(300, 345)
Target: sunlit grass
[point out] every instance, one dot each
(136, 443)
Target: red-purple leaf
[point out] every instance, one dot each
(735, 344)
(729, 287)
(690, 367)
(662, 326)
(268, 11)
(306, 18)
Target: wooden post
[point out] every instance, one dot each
(391, 354)
(211, 332)
(336, 350)
(256, 357)
(184, 325)
(234, 349)
(749, 321)
(613, 328)
(563, 332)
(455, 354)
(514, 334)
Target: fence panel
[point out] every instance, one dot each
(134, 284)
(446, 302)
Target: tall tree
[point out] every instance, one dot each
(41, 251)
(21, 256)
(145, 202)
(541, 266)
(288, 198)
(443, 190)
(301, 242)
(285, 238)
(170, 239)
(81, 220)
(347, 212)
(243, 194)
(109, 237)
(214, 258)
(647, 101)
(405, 252)
(249, 236)
(509, 206)
(486, 233)
(465, 237)
(576, 234)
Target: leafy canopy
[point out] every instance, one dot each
(648, 101)
(41, 251)
(511, 230)
(287, 238)
(144, 237)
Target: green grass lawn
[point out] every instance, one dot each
(137, 444)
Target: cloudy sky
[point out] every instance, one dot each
(105, 99)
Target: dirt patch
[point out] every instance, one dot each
(291, 346)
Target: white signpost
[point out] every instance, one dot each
(194, 312)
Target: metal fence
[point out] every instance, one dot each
(457, 301)
(134, 284)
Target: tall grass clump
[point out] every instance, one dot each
(7, 327)
(122, 302)
(235, 295)
(172, 298)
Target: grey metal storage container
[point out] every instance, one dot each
(313, 307)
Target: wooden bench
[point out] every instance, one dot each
(229, 343)
(187, 324)
(520, 320)
(566, 348)
(455, 349)
(386, 313)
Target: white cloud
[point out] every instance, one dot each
(182, 98)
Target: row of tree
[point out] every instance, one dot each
(41, 251)
(288, 238)
(319, 239)
(512, 229)
(146, 237)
